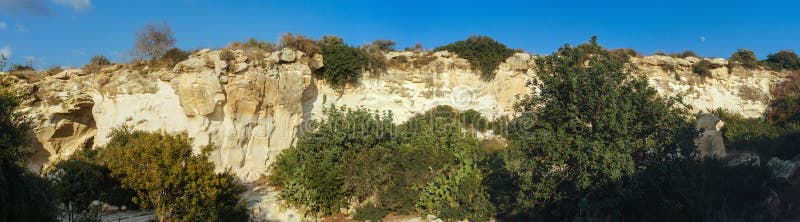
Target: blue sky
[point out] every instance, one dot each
(69, 32)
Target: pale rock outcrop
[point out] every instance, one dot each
(710, 143)
(252, 108)
(742, 91)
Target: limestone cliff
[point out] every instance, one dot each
(251, 108)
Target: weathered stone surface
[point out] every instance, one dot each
(710, 143)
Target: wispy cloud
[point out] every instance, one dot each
(34, 7)
(6, 50)
(702, 39)
(22, 28)
(3, 25)
(79, 5)
(40, 7)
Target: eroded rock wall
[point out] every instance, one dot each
(252, 108)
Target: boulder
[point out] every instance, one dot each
(710, 143)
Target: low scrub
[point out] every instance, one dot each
(426, 166)
(783, 60)
(300, 42)
(96, 63)
(253, 48)
(744, 58)
(484, 53)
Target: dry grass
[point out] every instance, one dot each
(253, 49)
(300, 42)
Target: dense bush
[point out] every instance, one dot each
(370, 212)
(484, 53)
(344, 64)
(682, 190)
(300, 42)
(766, 138)
(81, 179)
(702, 68)
(584, 130)
(785, 105)
(745, 58)
(426, 165)
(167, 177)
(784, 59)
(172, 57)
(25, 196)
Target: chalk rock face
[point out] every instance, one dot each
(252, 108)
(742, 91)
(710, 143)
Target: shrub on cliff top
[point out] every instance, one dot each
(253, 48)
(785, 59)
(300, 42)
(744, 58)
(484, 53)
(375, 51)
(172, 57)
(344, 64)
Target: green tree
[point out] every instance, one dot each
(344, 64)
(80, 180)
(25, 196)
(167, 177)
(592, 123)
(484, 53)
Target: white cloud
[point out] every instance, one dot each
(702, 39)
(22, 28)
(3, 25)
(33, 7)
(6, 51)
(75, 4)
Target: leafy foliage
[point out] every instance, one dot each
(80, 180)
(763, 137)
(344, 64)
(484, 53)
(166, 176)
(26, 196)
(370, 212)
(784, 59)
(745, 58)
(585, 129)
(682, 189)
(426, 165)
